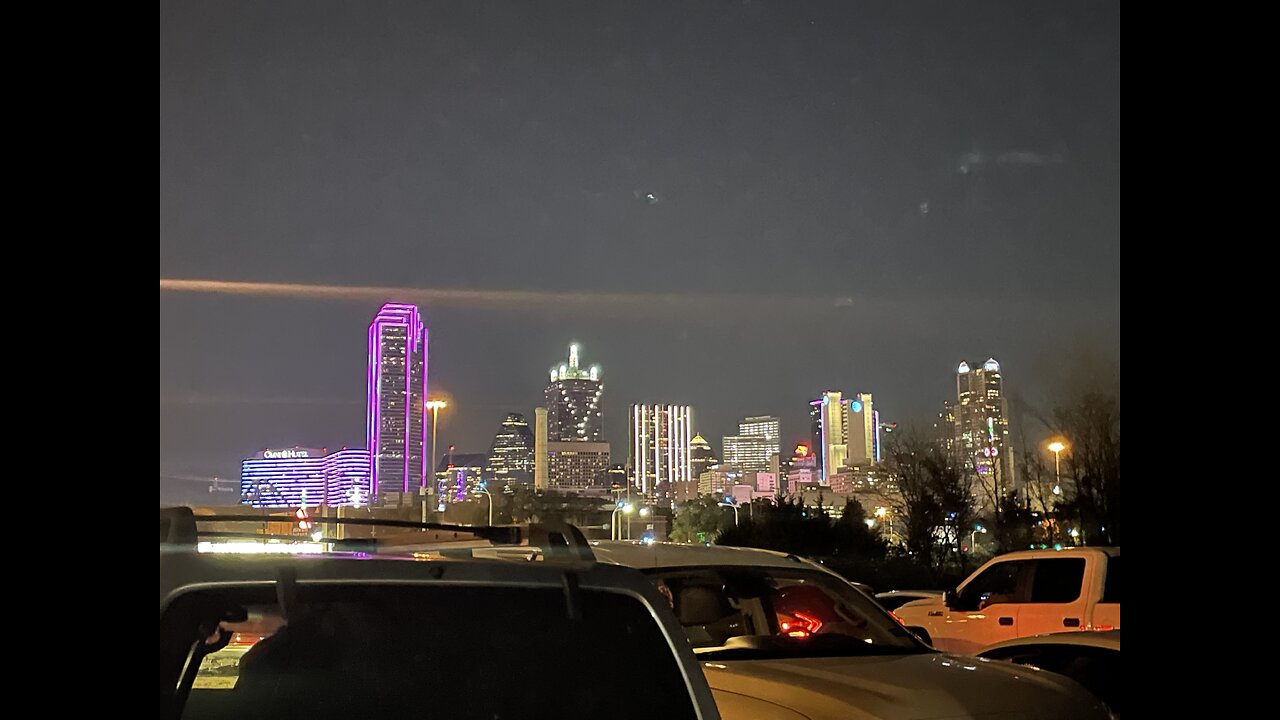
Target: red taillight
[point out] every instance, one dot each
(801, 625)
(895, 616)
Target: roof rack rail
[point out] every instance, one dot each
(179, 529)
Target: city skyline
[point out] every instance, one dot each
(401, 315)
(665, 458)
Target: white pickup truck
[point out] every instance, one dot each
(1021, 594)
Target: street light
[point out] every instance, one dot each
(481, 488)
(1056, 447)
(434, 406)
(616, 532)
(973, 537)
(882, 513)
(735, 511)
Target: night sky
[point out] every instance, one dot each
(730, 205)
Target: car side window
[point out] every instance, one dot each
(1057, 580)
(999, 583)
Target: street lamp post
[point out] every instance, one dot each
(973, 537)
(615, 530)
(1056, 447)
(481, 487)
(735, 511)
(434, 406)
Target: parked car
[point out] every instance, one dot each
(1090, 658)
(358, 636)
(780, 637)
(1022, 594)
(894, 599)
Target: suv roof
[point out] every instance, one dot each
(647, 556)
(654, 555)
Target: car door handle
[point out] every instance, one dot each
(1070, 622)
(1005, 621)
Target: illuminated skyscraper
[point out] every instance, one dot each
(573, 401)
(945, 428)
(817, 411)
(757, 441)
(511, 456)
(831, 447)
(660, 439)
(847, 432)
(395, 422)
(862, 431)
(701, 457)
(982, 421)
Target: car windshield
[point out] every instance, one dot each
(748, 613)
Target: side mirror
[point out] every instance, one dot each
(950, 599)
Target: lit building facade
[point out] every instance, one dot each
(945, 428)
(511, 459)
(847, 430)
(298, 477)
(540, 470)
(577, 465)
(396, 422)
(573, 401)
(817, 412)
(719, 480)
(862, 430)
(982, 422)
(755, 445)
(660, 443)
(747, 452)
(458, 475)
(830, 446)
(765, 426)
(617, 476)
(701, 457)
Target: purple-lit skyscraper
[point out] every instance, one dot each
(396, 416)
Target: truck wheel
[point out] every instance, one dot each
(922, 634)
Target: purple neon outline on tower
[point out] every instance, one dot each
(394, 315)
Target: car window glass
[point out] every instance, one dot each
(1057, 580)
(996, 584)
(391, 652)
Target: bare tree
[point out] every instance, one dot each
(933, 501)
(912, 500)
(952, 487)
(1092, 431)
(1038, 483)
